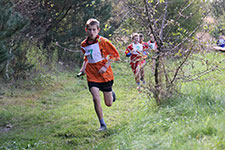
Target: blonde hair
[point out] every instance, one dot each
(92, 22)
(133, 35)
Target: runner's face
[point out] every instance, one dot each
(152, 38)
(136, 39)
(92, 31)
(141, 38)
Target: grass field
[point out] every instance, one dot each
(61, 116)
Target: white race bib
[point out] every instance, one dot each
(137, 48)
(152, 45)
(93, 53)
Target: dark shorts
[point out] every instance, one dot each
(104, 87)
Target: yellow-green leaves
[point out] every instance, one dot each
(91, 4)
(106, 27)
(151, 1)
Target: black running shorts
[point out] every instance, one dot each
(104, 87)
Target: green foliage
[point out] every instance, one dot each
(51, 21)
(4, 55)
(19, 68)
(177, 125)
(218, 9)
(61, 115)
(65, 20)
(10, 23)
(173, 24)
(54, 60)
(37, 57)
(181, 18)
(30, 59)
(40, 82)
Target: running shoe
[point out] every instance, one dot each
(102, 128)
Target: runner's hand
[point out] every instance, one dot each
(80, 74)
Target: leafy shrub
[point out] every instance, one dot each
(41, 81)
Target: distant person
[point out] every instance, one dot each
(141, 40)
(152, 46)
(145, 46)
(99, 53)
(152, 43)
(136, 52)
(221, 42)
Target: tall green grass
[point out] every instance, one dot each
(61, 116)
(192, 120)
(188, 122)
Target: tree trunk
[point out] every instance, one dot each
(157, 82)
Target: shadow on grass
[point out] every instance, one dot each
(81, 137)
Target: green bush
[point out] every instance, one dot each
(40, 82)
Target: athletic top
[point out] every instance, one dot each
(135, 49)
(97, 54)
(145, 44)
(152, 45)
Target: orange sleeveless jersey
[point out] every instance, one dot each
(107, 50)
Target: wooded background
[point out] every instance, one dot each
(45, 35)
